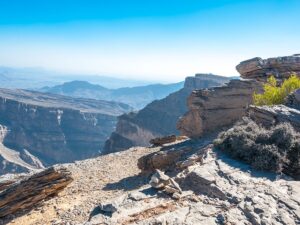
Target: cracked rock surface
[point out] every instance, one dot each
(213, 190)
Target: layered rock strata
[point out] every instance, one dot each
(159, 117)
(28, 192)
(215, 108)
(261, 69)
(273, 115)
(38, 129)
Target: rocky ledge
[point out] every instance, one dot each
(272, 115)
(261, 69)
(203, 186)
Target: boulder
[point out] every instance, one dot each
(215, 108)
(293, 100)
(163, 140)
(260, 69)
(161, 160)
(272, 115)
(25, 194)
(180, 155)
(159, 180)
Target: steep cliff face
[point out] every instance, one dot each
(216, 108)
(159, 117)
(42, 129)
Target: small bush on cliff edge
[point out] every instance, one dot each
(276, 149)
(274, 95)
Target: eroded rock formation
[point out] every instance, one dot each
(261, 69)
(273, 115)
(214, 108)
(159, 117)
(28, 192)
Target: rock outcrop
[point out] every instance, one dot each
(158, 118)
(215, 108)
(293, 100)
(260, 69)
(273, 115)
(28, 192)
(213, 190)
(38, 129)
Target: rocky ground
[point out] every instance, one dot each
(199, 185)
(95, 180)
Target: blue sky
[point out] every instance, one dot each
(150, 40)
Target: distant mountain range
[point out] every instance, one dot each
(33, 78)
(137, 97)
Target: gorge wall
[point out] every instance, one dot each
(43, 129)
(159, 117)
(216, 108)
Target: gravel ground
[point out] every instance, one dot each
(95, 180)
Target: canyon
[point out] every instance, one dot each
(158, 118)
(38, 130)
(180, 179)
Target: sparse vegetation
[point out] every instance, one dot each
(276, 149)
(274, 94)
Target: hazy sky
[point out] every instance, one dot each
(152, 40)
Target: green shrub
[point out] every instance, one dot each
(275, 149)
(275, 95)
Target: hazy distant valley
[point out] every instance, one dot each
(137, 97)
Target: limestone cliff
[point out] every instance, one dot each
(39, 129)
(216, 108)
(159, 117)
